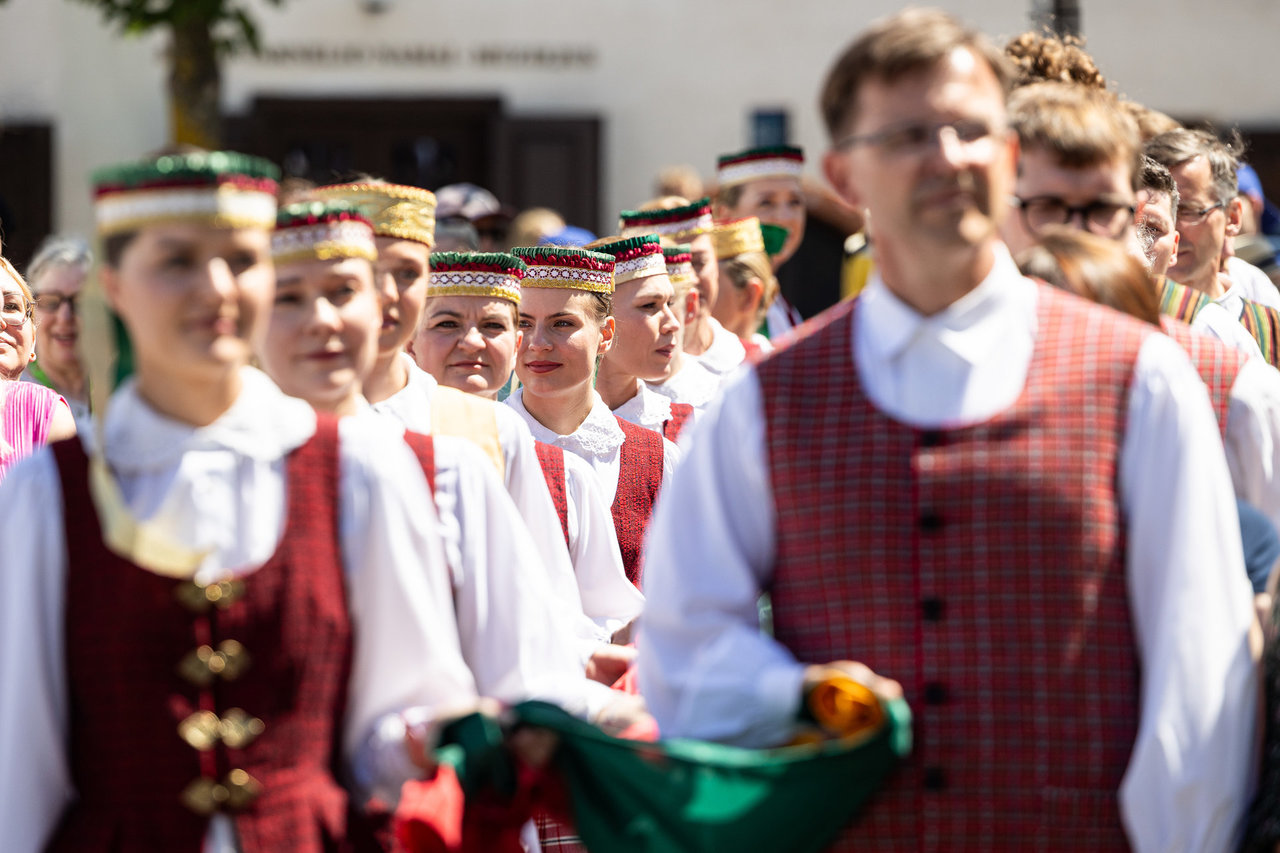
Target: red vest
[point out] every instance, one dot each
(551, 458)
(168, 688)
(680, 415)
(424, 448)
(1217, 364)
(639, 477)
(981, 567)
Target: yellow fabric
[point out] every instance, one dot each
(456, 413)
(856, 270)
(137, 542)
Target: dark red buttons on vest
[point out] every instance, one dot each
(932, 609)
(931, 438)
(930, 521)
(936, 693)
(935, 779)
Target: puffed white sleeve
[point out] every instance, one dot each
(706, 670)
(1253, 437)
(608, 598)
(407, 657)
(527, 487)
(515, 638)
(1190, 774)
(35, 774)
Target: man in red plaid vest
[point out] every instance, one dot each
(1010, 502)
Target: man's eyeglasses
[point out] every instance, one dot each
(1101, 217)
(52, 302)
(919, 137)
(15, 312)
(1194, 216)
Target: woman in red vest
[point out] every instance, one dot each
(566, 317)
(635, 322)
(224, 605)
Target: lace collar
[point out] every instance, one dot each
(599, 436)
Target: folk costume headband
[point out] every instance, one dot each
(406, 213)
(493, 274)
(571, 269)
(779, 161)
(322, 230)
(633, 257)
(219, 188)
(679, 261)
(681, 224)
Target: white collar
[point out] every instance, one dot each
(647, 408)
(263, 423)
(411, 405)
(726, 351)
(970, 327)
(598, 436)
(693, 384)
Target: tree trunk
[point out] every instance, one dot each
(195, 84)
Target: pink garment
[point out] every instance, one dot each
(26, 413)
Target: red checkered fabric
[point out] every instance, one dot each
(424, 448)
(554, 834)
(551, 458)
(680, 415)
(639, 478)
(1217, 364)
(126, 633)
(981, 567)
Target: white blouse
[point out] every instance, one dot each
(411, 407)
(693, 383)
(726, 352)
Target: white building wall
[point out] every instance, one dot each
(673, 80)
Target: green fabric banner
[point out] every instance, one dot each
(677, 795)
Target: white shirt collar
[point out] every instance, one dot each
(263, 423)
(411, 405)
(970, 327)
(647, 408)
(598, 436)
(726, 351)
(693, 384)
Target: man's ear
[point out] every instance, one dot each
(1235, 216)
(1173, 256)
(835, 166)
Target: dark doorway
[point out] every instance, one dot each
(430, 142)
(26, 189)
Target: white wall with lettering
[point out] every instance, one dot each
(673, 81)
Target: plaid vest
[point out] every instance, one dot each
(639, 477)
(187, 701)
(1217, 364)
(983, 568)
(551, 458)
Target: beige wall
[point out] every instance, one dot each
(673, 81)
